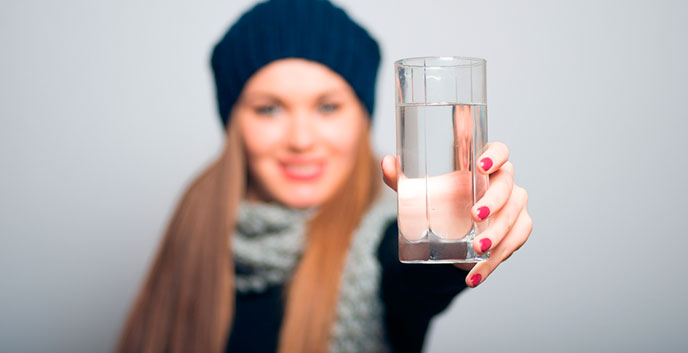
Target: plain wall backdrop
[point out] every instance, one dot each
(108, 112)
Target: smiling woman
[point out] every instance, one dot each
(301, 124)
(288, 241)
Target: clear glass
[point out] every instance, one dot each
(441, 111)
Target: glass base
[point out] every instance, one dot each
(432, 249)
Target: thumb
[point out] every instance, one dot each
(389, 171)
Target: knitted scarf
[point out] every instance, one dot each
(269, 241)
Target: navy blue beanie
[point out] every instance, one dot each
(310, 29)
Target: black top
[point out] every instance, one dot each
(412, 294)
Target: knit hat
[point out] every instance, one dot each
(310, 29)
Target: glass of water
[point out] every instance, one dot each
(441, 115)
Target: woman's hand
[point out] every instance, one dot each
(504, 203)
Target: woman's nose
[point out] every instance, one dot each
(301, 135)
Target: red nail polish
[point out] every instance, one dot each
(485, 244)
(486, 163)
(483, 212)
(475, 279)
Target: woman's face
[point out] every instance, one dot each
(301, 123)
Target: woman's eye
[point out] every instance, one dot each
(328, 107)
(267, 110)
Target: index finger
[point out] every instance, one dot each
(493, 158)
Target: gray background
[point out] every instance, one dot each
(107, 113)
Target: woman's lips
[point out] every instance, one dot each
(302, 171)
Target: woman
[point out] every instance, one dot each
(287, 242)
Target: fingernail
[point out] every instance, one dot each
(486, 163)
(475, 279)
(483, 212)
(485, 244)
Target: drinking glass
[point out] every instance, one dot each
(441, 117)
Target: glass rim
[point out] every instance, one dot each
(470, 61)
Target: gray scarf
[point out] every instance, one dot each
(269, 241)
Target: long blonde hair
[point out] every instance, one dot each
(187, 300)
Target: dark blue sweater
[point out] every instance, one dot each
(412, 295)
